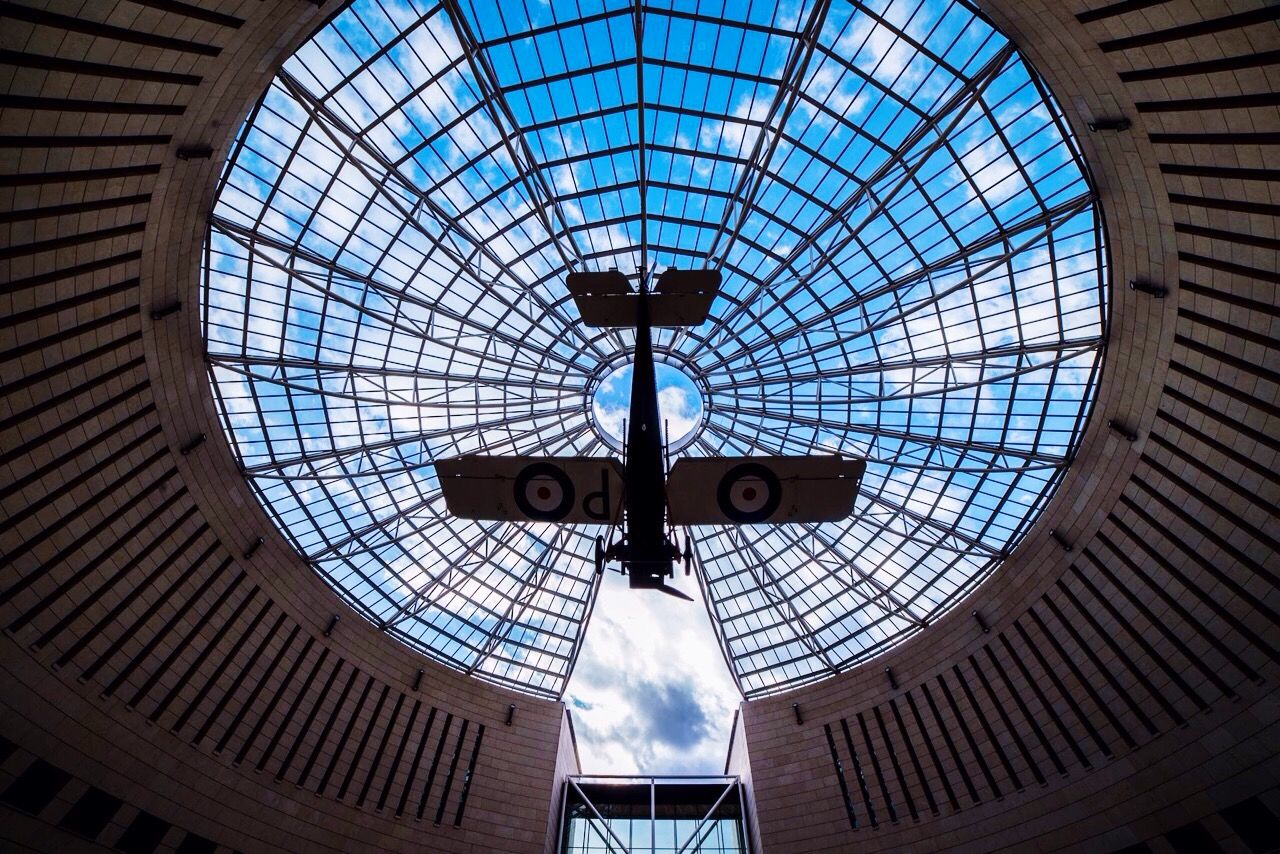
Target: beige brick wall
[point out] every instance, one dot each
(1126, 687)
(146, 656)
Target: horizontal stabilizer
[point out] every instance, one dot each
(689, 282)
(569, 490)
(682, 298)
(762, 490)
(608, 283)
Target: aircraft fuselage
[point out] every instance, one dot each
(647, 553)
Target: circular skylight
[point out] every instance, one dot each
(912, 271)
(679, 406)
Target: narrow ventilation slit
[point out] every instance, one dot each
(423, 737)
(839, 769)
(933, 753)
(893, 761)
(969, 738)
(1205, 595)
(1068, 697)
(435, 765)
(857, 771)
(380, 751)
(470, 773)
(288, 679)
(1161, 624)
(1105, 640)
(308, 722)
(1015, 691)
(453, 767)
(951, 745)
(1141, 641)
(156, 547)
(299, 697)
(394, 770)
(1084, 683)
(1003, 713)
(75, 579)
(125, 634)
(353, 718)
(233, 693)
(358, 754)
(111, 462)
(224, 626)
(220, 667)
(322, 737)
(164, 632)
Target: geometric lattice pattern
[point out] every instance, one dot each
(913, 270)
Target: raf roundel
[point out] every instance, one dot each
(544, 492)
(749, 493)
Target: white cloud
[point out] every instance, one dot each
(651, 692)
(737, 134)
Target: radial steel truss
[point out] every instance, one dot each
(913, 273)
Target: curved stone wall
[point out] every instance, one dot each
(163, 644)
(157, 656)
(1114, 683)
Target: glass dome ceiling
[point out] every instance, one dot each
(913, 273)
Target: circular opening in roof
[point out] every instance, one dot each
(679, 406)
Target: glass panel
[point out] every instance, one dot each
(913, 274)
(655, 815)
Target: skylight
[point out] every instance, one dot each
(679, 406)
(913, 273)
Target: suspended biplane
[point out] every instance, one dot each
(638, 494)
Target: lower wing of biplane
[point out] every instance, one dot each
(762, 490)
(568, 490)
(700, 490)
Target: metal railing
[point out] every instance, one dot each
(584, 799)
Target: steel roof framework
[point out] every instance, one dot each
(914, 274)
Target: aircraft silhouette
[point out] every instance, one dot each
(639, 494)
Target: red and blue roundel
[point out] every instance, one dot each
(749, 493)
(544, 492)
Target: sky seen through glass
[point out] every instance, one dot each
(913, 274)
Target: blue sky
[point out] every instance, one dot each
(651, 691)
(912, 274)
(679, 403)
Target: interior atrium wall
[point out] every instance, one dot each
(1118, 681)
(153, 650)
(156, 653)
